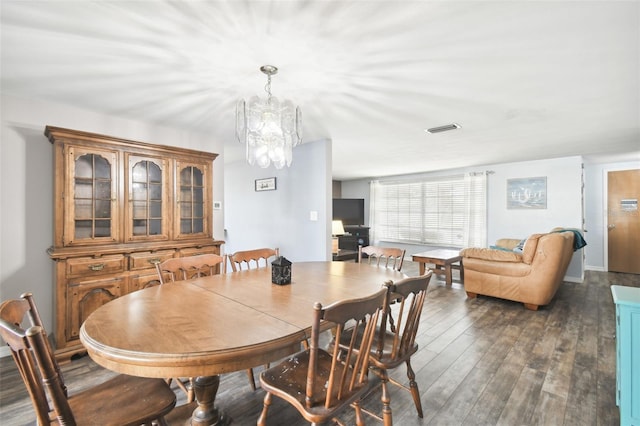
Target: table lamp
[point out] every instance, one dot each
(336, 229)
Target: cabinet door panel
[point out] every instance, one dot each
(193, 206)
(84, 297)
(148, 198)
(92, 203)
(143, 280)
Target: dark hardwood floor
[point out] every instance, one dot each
(481, 362)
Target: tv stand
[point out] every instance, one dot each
(357, 235)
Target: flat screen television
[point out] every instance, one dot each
(349, 210)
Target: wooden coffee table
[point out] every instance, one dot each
(443, 261)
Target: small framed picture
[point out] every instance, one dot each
(268, 184)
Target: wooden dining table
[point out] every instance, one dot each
(223, 323)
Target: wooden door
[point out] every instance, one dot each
(623, 221)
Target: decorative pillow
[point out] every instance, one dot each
(499, 248)
(520, 247)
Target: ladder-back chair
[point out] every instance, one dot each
(395, 343)
(248, 259)
(251, 259)
(115, 402)
(184, 268)
(389, 257)
(181, 269)
(318, 383)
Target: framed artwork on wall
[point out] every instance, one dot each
(268, 184)
(527, 193)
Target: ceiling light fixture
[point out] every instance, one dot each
(444, 128)
(269, 128)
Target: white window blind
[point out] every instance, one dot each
(449, 210)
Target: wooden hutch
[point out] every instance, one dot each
(120, 206)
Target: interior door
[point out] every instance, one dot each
(623, 221)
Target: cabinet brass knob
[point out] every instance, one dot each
(97, 267)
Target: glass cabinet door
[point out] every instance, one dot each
(92, 200)
(194, 197)
(147, 201)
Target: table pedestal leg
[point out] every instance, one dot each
(206, 388)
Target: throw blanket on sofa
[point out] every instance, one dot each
(578, 239)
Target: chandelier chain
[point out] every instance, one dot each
(267, 88)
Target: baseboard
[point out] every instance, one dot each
(594, 268)
(573, 280)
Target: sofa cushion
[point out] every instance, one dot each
(480, 267)
(491, 254)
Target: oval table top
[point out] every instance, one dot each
(223, 323)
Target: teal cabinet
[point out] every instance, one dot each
(627, 300)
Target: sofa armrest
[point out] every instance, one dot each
(491, 254)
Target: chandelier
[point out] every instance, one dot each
(269, 128)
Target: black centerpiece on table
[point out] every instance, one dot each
(281, 271)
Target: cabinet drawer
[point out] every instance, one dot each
(194, 251)
(147, 259)
(86, 266)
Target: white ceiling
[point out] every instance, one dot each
(525, 79)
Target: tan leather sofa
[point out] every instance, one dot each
(531, 277)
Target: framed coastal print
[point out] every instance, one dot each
(527, 193)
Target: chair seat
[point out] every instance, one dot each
(96, 405)
(291, 386)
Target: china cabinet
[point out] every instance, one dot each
(121, 206)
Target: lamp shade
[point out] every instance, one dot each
(337, 228)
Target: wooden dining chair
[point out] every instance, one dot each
(184, 268)
(122, 400)
(395, 343)
(389, 257)
(181, 269)
(249, 259)
(318, 383)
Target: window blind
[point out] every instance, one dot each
(447, 210)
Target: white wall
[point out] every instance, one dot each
(26, 184)
(281, 218)
(564, 206)
(596, 209)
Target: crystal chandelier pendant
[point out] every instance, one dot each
(269, 128)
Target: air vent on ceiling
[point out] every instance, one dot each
(444, 128)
